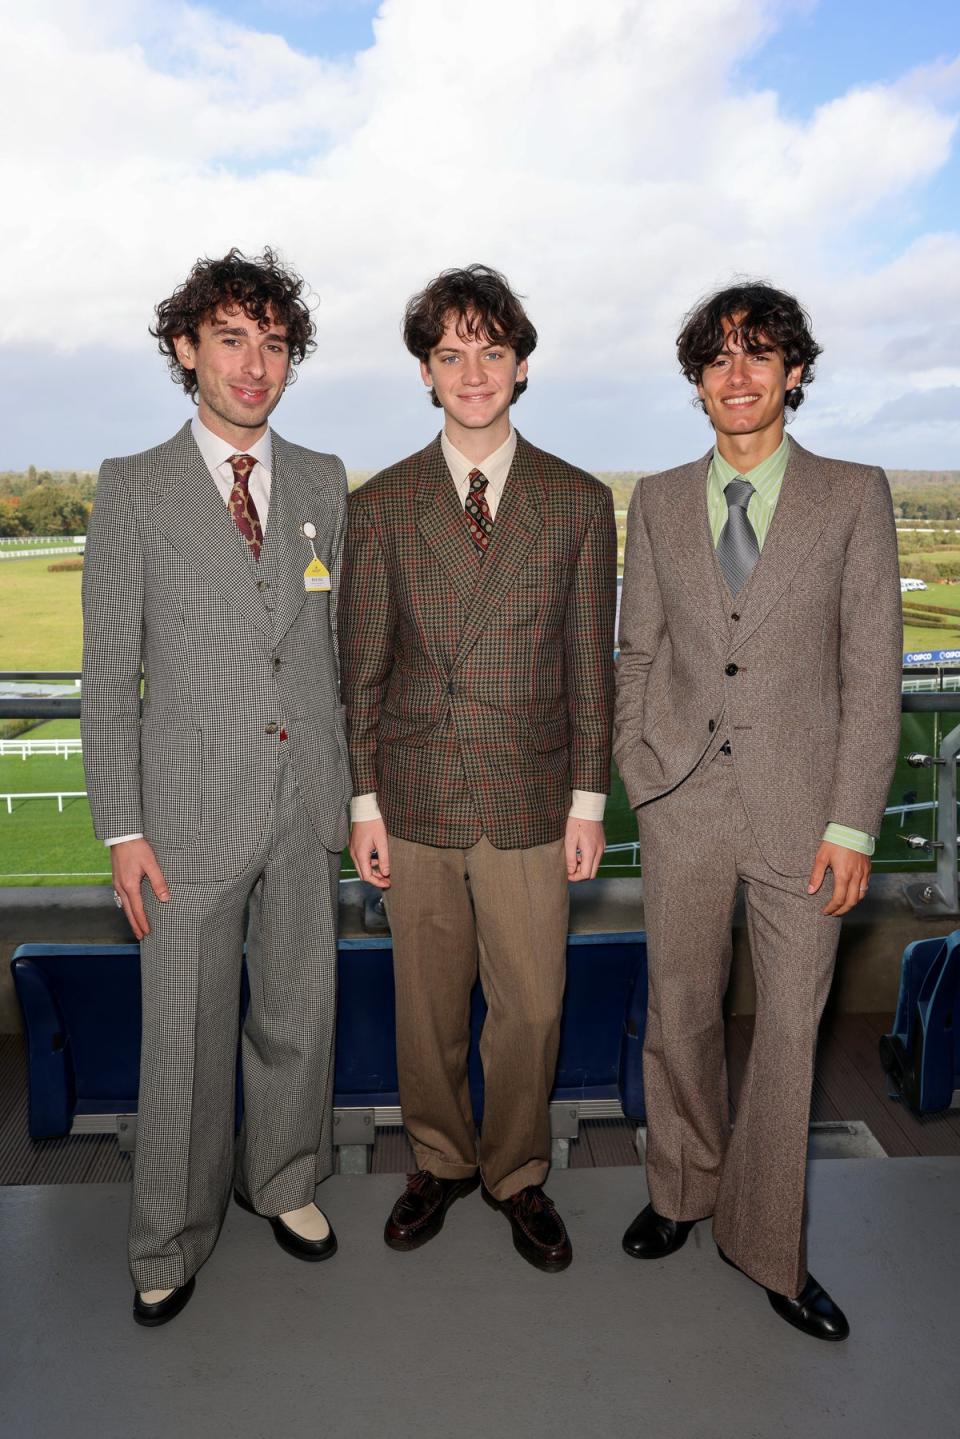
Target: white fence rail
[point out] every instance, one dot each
(25, 747)
(58, 794)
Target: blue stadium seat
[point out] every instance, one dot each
(81, 1011)
(921, 1054)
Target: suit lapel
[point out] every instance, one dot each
(293, 502)
(801, 513)
(191, 513)
(441, 522)
(516, 529)
(691, 544)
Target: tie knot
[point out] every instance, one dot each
(241, 465)
(478, 482)
(737, 493)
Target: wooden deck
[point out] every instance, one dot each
(849, 1085)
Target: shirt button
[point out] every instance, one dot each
(731, 669)
(711, 725)
(271, 728)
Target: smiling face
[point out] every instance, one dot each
(474, 379)
(744, 395)
(241, 368)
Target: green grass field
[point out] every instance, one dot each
(40, 623)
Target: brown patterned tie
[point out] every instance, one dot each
(241, 504)
(477, 511)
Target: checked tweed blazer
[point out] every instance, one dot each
(479, 691)
(801, 671)
(228, 651)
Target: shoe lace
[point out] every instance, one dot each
(532, 1200)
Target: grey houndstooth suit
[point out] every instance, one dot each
(235, 656)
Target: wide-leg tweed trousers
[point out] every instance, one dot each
(186, 1159)
(697, 847)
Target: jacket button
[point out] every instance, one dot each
(731, 669)
(734, 616)
(271, 728)
(277, 662)
(451, 687)
(711, 725)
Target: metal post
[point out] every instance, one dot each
(942, 894)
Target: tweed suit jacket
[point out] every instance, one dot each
(228, 653)
(801, 670)
(479, 691)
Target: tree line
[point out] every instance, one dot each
(45, 502)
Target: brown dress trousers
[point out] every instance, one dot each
(500, 914)
(696, 847)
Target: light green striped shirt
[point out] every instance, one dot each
(766, 478)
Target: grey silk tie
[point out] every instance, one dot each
(737, 548)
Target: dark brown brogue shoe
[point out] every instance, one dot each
(422, 1207)
(651, 1236)
(539, 1234)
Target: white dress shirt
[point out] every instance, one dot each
(216, 453)
(585, 804)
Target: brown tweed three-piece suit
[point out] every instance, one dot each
(479, 693)
(800, 675)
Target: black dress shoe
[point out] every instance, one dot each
(309, 1249)
(422, 1207)
(539, 1234)
(651, 1236)
(813, 1311)
(150, 1315)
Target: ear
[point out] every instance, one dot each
(522, 371)
(185, 351)
(425, 375)
(794, 376)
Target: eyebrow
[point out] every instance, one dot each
(242, 330)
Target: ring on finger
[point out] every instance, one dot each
(117, 900)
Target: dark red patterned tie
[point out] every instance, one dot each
(241, 504)
(477, 511)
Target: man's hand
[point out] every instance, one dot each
(583, 846)
(370, 851)
(851, 876)
(131, 860)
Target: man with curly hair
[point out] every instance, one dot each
(757, 726)
(212, 570)
(477, 636)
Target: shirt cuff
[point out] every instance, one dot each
(586, 804)
(121, 839)
(364, 807)
(850, 838)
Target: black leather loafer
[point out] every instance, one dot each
(813, 1312)
(150, 1315)
(651, 1236)
(422, 1207)
(539, 1234)
(312, 1250)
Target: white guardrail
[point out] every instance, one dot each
(25, 747)
(58, 794)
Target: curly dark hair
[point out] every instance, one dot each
(483, 303)
(255, 285)
(766, 317)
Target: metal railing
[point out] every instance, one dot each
(934, 691)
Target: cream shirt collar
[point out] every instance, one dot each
(216, 452)
(495, 467)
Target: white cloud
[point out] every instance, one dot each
(603, 155)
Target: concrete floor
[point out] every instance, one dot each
(463, 1339)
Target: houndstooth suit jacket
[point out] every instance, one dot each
(228, 653)
(479, 691)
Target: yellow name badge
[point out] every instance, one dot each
(316, 576)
